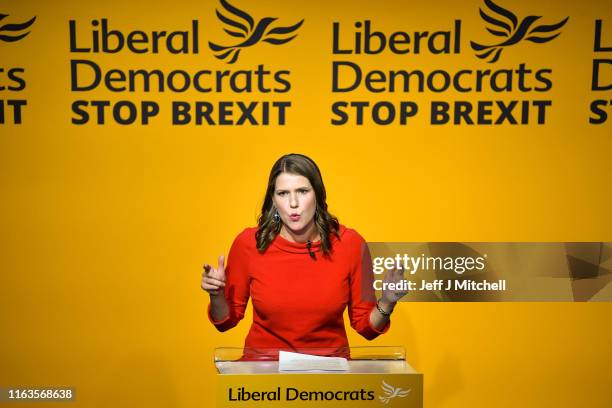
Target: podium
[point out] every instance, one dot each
(376, 377)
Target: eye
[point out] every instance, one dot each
(303, 190)
(281, 193)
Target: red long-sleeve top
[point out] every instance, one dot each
(298, 301)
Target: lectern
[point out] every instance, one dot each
(376, 377)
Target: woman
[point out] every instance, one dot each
(300, 267)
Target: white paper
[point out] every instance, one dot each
(288, 361)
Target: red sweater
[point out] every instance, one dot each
(298, 301)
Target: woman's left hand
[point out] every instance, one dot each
(392, 296)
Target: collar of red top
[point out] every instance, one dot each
(302, 247)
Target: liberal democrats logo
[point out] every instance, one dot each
(241, 25)
(392, 392)
(507, 27)
(11, 32)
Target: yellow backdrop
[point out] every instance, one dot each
(105, 227)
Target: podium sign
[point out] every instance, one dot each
(367, 383)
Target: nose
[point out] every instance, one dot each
(293, 201)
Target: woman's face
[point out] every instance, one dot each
(295, 200)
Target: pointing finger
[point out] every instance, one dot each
(221, 268)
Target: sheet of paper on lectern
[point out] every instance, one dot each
(288, 361)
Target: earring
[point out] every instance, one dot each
(276, 217)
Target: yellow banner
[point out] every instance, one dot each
(136, 138)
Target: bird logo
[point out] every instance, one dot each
(14, 32)
(242, 25)
(508, 27)
(392, 392)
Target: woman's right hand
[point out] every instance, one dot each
(213, 280)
